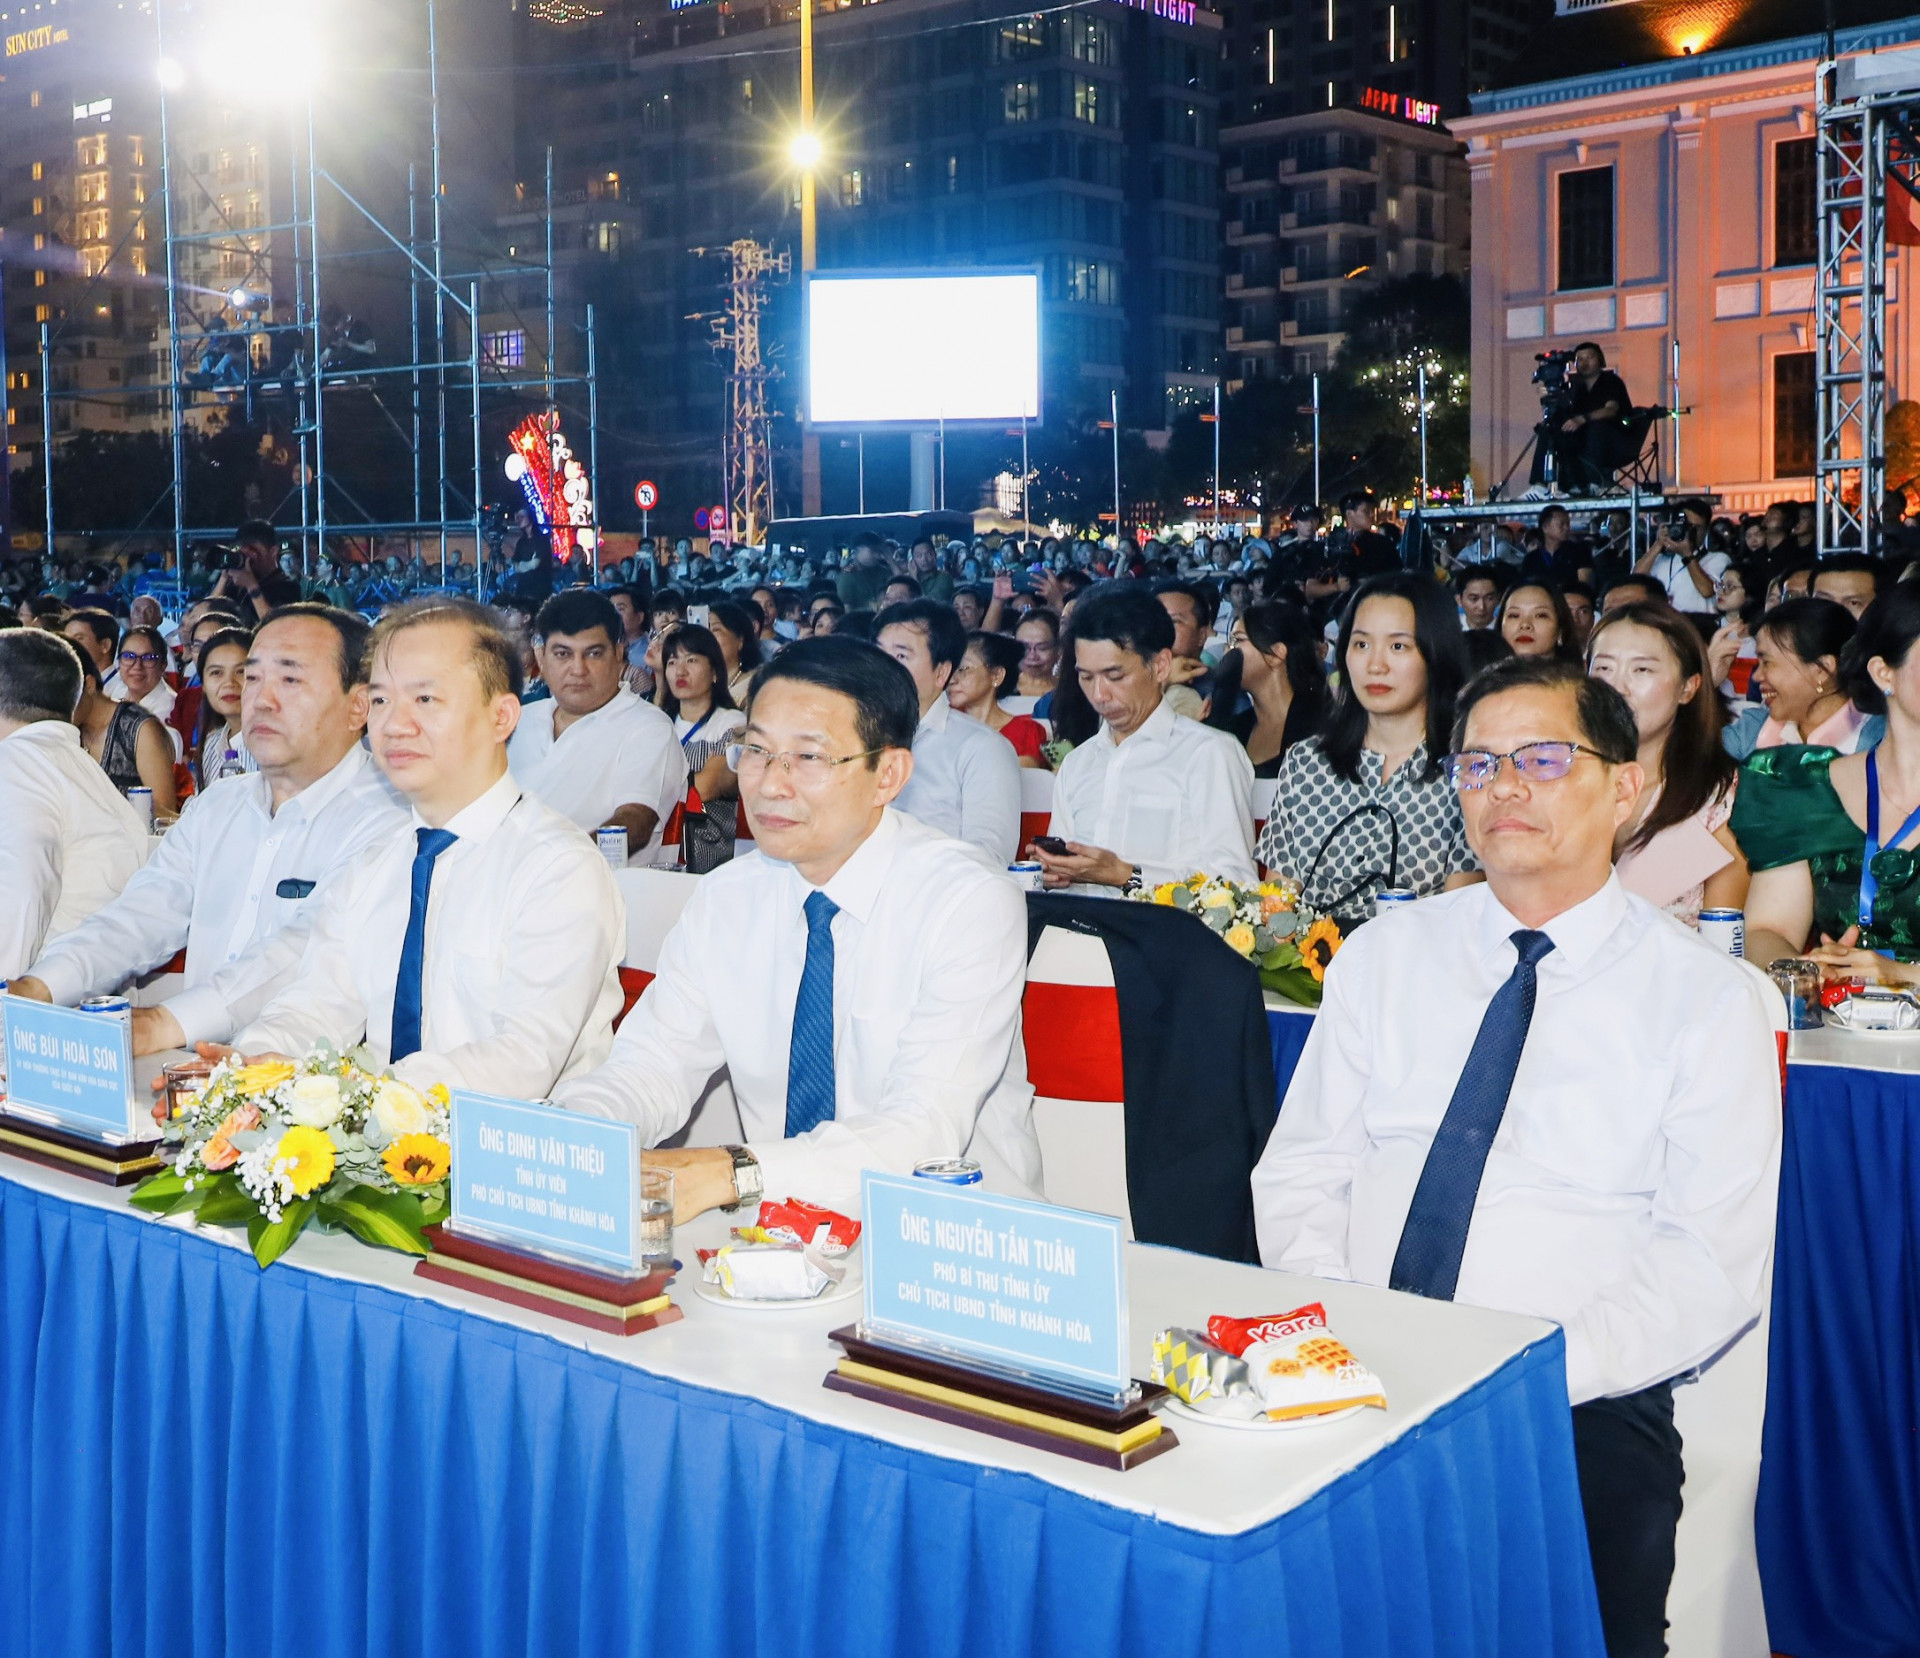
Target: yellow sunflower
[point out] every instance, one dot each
(440, 1096)
(1320, 946)
(417, 1159)
(305, 1156)
(1165, 893)
(259, 1079)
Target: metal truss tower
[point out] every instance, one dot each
(748, 447)
(1869, 145)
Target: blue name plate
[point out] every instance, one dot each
(1019, 1287)
(554, 1182)
(72, 1068)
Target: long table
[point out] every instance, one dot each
(337, 1458)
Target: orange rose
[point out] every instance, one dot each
(220, 1152)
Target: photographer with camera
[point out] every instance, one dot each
(252, 576)
(1583, 422)
(1678, 563)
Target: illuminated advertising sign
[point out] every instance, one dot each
(35, 40)
(1401, 107)
(1174, 11)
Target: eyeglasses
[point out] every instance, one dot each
(804, 767)
(1475, 768)
(129, 658)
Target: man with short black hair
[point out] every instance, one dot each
(1851, 580)
(900, 590)
(236, 881)
(1152, 796)
(1686, 575)
(68, 840)
(1191, 610)
(253, 577)
(1360, 549)
(1561, 558)
(862, 582)
(966, 778)
(475, 945)
(1631, 590)
(1507, 1100)
(1479, 589)
(96, 635)
(874, 1023)
(594, 751)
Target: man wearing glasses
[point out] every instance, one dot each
(1541, 1095)
(859, 976)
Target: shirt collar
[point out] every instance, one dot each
(48, 731)
(1577, 933)
(1157, 727)
(855, 886)
(935, 718)
(314, 798)
(477, 820)
(611, 709)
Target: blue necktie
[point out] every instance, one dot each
(810, 1059)
(1435, 1236)
(413, 953)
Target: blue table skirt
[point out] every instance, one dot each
(1289, 1032)
(196, 1457)
(1839, 1512)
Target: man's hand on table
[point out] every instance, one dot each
(154, 1031)
(29, 987)
(702, 1179)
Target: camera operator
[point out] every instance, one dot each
(253, 575)
(1677, 562)
(1585, 423)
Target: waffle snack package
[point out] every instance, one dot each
(1296, 1364)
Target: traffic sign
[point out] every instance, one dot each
(700, 518)
(645, 496)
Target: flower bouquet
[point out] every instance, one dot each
(1266, 923)
(278, 1144)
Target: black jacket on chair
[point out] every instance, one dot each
(1198, 1063)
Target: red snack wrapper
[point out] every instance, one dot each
(1236, 1335)
(808, 1223)
(1835, 991)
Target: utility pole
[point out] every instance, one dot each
(1114, 400)
(1216, 456)
(747, 445)
(1421, 394)
(1316, 442)
(807, 152)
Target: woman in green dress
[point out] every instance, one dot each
(1834, 839)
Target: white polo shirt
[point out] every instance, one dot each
(622, 754)
(965, 783)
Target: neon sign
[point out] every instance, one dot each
(1418, 110)
(35, 40)
(554, 482)
(1175, 11)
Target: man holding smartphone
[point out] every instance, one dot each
(1677, 563)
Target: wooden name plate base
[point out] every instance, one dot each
(56, 1148)
(601, 1301)
(1111, 1437)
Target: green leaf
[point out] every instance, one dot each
(166, 1193)
(387, 1220)
(435, 1205)
(226, 1203)
(271, 1239)
(1294, 983)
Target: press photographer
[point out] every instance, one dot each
(1583, 424)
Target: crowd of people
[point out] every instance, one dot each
(393, 829)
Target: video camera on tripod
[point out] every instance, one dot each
(1554, 376)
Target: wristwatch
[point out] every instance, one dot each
(1133, 883)
(748, 1183)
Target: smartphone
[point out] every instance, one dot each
(1052, 845)
(699, 614)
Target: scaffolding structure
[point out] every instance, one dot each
(1867, 113)
(747, 449)
(288, 351)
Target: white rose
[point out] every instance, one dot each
(316, 1102)
(399, 1110)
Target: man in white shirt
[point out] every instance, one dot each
(860, 975)
(235, 881)
(68, 840)
(96, 635)
(1152, 796)
(594, 751)
(1542, 1095)
(966, 778)
(1677, 564)
(477, 945)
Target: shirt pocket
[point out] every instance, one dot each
(1153, 828)
(1584, 1135)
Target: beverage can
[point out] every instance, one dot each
(955, 1171)
(1725, 930)
(1391, 898)
(1026, 876)
(141, 800)
(116, 1007)
(613, 846)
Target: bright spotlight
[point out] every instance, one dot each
(805, 150)
(170, 74)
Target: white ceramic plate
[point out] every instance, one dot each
(845, 1290)
(1867, 1030)
(1176, 1406)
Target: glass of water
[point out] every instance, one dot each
(656, 1217)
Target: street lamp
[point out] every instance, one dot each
(805, 151)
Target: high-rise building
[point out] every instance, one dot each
(1081, 142)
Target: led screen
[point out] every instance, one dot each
(923, 348)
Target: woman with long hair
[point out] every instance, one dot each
(1676, 851)
(1535, 621)
(221, 670)
(134, 749)
(1366, 804)
(1833, 837)
(694, 694)
(738, 636)
(1274, 660)
(989, 670)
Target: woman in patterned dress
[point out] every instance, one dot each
(693, 691)
(1366, 804)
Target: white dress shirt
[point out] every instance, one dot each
(623, 754)
(224, 882)
(1175, 798)
(966, 782)
(68, 839)
(1629, 1193)
(525, 929)
(1670, 571)
(930, 958)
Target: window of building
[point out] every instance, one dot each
(137, 258)
(42, 313)
(1795, 240)
(93, 150)
(506, 348)
(1793, 415)
(1020, 101)
(607, 238)
(39, 205)
(1020, 37)
(39, 171)
(94, 259)
(1089, 99)
(1586, 228)
(853, 189)
(93, 225)
(1091, 40)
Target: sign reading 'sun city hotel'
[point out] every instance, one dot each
(34, 40)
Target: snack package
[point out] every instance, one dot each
(1201, 1375)
(807, 1223)
(1296, 1364)
(764, 1272)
